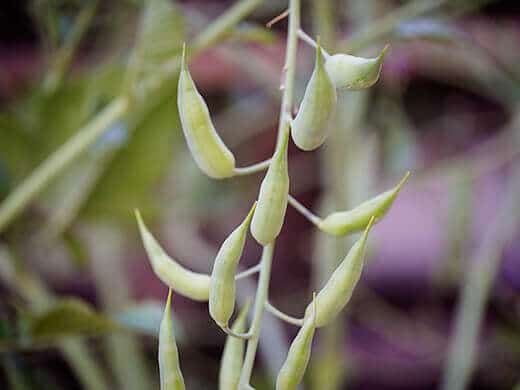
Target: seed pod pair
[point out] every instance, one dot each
(233, 355)
(222, 283)
(350, 72)
(293, 369)
(337, 291)
(272, 198)
(207, 148)
(169, 368)
(355, 220)
(310, 127)
(188, 283)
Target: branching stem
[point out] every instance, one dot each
(255, 168)
(304, 211)
(283, 316)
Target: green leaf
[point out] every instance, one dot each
(69, 317)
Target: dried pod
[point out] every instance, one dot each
(337, 291)
(355, 220)
(233, 355)
(169, 368)
(207, 148)
(188, 283)
(350, 72)
(293, 369)
(272, 198)
(310, 127)
(222, 284)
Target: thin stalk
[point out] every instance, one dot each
(462, 350)
(261, 297)
(267, 254)
(17, 200)
(283, 316)
(255, 168)
(311, 42)
(248, 272)
(304, 210)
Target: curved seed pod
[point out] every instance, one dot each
(355, 220)
(272, 198)
(188, 283)
(337, 291)
(233, 355)
(222, 284)
(310, 127)
(293, 369)
(170, 371)
(209, 151)
(352, 72)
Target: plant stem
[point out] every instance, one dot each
(261, 297)
(304, 210)
(462, 350)
(255, 168)
(283, 316)
(248, 272)
(267, 254)
(311, 42)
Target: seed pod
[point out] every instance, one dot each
(222, 284)
(349, 72)
(293, 369)
(188, 283)
(272, 198)
(169, 369)
(209, 151)
(233, 355)
(355, 220)
(337, 291)
(310, 127)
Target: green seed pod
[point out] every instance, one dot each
(170, 371)
(207, 148)
(272, 198)
(355, 220)
(233, 355)
(310, 127)
(354, 73)
(293, 369)
(222, 284)
(188, 283)
(337, 291)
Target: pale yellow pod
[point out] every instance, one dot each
(311, 126)
(207, 148)
(293, 369)
(169, 367)
(222, 283)
(233, 355)
(337, 291)
(272, 199)
(341, 223)
(188, 283)
(350, 72)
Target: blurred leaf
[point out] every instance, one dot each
(69, 317)
(143, 317)
(429, 29)
(16, 158)
(252, 32)
(159, 39)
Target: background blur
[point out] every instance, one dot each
(438, 304)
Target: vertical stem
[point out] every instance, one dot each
(261, 298)
(267, 255)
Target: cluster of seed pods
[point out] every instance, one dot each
(309, 130)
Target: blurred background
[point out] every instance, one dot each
(438, 305)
